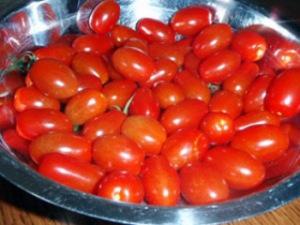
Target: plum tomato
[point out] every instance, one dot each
(137, 43)
(16, 142)
(120, 34)
(7, 115)
(88, 82)
(191, 63)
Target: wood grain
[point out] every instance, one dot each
(20, 208)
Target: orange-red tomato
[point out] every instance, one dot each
(7, 115)
(137, 43)
(191, 63)
(120, 34)
(15, 141)
(88, 82)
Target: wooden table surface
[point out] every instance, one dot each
(20, 208)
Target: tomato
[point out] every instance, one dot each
(120, 34)
(86, 105)
(201, 184)
(161, 182)
(69, 172)
(54, 78)
(50, 18)
(32, 123)
(117, 152)
(104, 16)
(83, 14)
(184, 45)
(144, 103)
(191, 63)
(65, 40)
(60, 142)
(15, 141)
(168, 93)
(226, 102)
(147, 132)
(186, 114)
(184, 147)
(211, 39)
(113, 74)
(219, 66)
(284, 101)
(241, 170)
(88, 82)
(10, 82)
(293, 131)
(118, 92)
(155, 31)
(31, 98)
(265, 142)
(137, 43)
(255, 118)
(90, 64)
(121, 186)
(241, 79)
(7, 115)
(20, 22)
(104, 124)
(189, 21)
(219, 127)
(133, 64)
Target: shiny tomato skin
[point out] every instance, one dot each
(186, 114)
(265, 142)
(31, 98)
(120, 34)
(117, 152)
(184, 147)
(219, 66)
(104, 16)
(60, 142)
(67, 171)
(155, 31)
(137, 43)
(83, 14)
(7, 115)
(90, 64)
(32, 123)
(161, 182)
(284, 101)
(133, 64)
(10, 82)
(202, 184)
(147, 132)
(211, 39)
(241, 170)
(191, 63)
(189, 21)
(15, 141)
(88, 82)
(121, 186)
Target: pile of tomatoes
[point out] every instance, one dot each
(189, 110)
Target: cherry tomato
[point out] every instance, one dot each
(241, 170)
(293, 131)
(60, 142)
(88, 82)
(211, 39)
(10, 82)
(189, 21)
(191, 63)
(186, 114)
(155, 31)
(32, 123)
(137, 43)
(219, 66)
(54, 78)
(65, 40)
(161, 182)
(184, 147)
(121, 186)
(67, 171)
(133, 64)
(201, 184)
(83, 15)
(15, 141)
(184, 45)
(147, 132)
(50, 19)
(120, 34)
(104, 16)
(7, 115)
(113, 74)
(117, 152)
(265, 142)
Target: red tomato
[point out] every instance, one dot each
(10, 82)
(226, 102)
(117, 152)
(137, 43)
(121, 186)
(50, 21)
(240, 169)
(7, 115)
(133, 64)
(83, 15)
(60, 142)
(161, 182)
(213, 38)
(65, 40)
(104, 124)
(201, 184)
(186, 114)
(284, 101)
(113, 74)
(191, 20)
(104, 16)
(32, 123)
(219, 66)
(31, 98)
(88, 82)
(265, 142)
(54, 78)
(147, 132)
(155, 31)
(184, 147)
(184, 45)
(67, 171)
(219, 127)
(15, 141)
(191, 63)
(90, 64)
(120, 34)
(292, 131)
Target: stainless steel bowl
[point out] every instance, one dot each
(237, 13)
